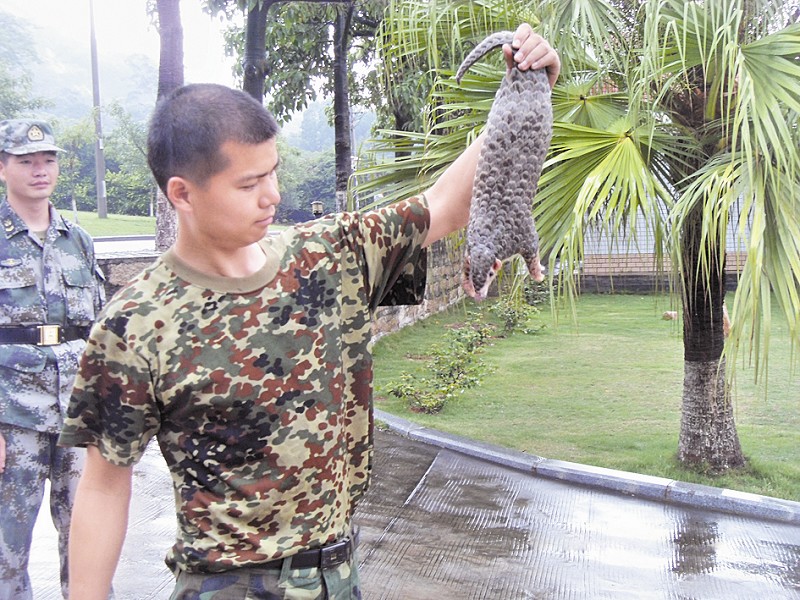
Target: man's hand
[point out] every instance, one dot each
(531, 51)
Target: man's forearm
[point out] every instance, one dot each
(451, 194)
(97, 532)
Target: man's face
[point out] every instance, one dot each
(30, 177)
(236, 206)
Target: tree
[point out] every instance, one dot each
(170, 77)
(132, 190)
(305, 177)
(669, 114)
(17, 57)
(316, 39)
(76, 180)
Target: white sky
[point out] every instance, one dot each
(123, 28)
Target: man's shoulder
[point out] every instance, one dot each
(144, 288)
(74, 231)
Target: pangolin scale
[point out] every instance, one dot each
(518, 133)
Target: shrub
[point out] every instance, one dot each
(453, 366)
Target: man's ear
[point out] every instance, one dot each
(179, 192)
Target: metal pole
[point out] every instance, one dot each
(99, 157)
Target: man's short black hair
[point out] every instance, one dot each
(190, 125)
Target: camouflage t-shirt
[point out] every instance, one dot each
(259, 389)
(57, 281)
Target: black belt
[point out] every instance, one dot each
(320, 558)
(43, 335)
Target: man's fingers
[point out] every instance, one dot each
(530, 50)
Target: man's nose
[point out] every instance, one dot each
(270, 194)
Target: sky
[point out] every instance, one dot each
(123, 30)
(122, 27)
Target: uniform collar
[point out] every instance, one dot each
(12, 224)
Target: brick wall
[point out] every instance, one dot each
(603, 273)
(643, 264)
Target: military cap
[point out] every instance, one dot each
(26, 136)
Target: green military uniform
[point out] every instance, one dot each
(54, 280)
(259, 390)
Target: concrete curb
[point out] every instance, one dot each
(633, 484)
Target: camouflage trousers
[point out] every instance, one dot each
(31, 458)
(284, 583)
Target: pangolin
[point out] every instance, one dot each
(518, 132)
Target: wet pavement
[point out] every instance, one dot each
(448, 519)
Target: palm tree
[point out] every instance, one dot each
(675, 117)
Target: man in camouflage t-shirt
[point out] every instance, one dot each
(50, 292)
(248, 359)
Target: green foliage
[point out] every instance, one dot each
(18, 58)
(604, 390)
(305, 177)
(76, 180)
(515, 315)
(664, 109)
(451, 367)
(299, 60)
(131, 189)
(129, 186)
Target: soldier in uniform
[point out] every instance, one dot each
(51, 291)
(248, 358)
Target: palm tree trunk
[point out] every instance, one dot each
(708, 437)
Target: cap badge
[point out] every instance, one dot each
(35, 134)
(10, 262)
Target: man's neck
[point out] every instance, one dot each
(239, 262)
(36, 215)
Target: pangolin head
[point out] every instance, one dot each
(480, 268)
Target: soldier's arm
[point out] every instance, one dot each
(99, 523)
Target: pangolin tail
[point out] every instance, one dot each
(491, 42)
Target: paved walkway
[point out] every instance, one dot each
(446, 519)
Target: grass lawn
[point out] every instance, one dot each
(604, 391)
(120, 224)
(112, 224)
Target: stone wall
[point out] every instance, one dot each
(121, 267)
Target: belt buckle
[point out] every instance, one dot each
(49, 335)
(335, 554)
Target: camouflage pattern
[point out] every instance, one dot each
(32, 457)
(409, 289)
(57, 281)
(259, 389)
(338, 583)
(26, 136)
(52, 281)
